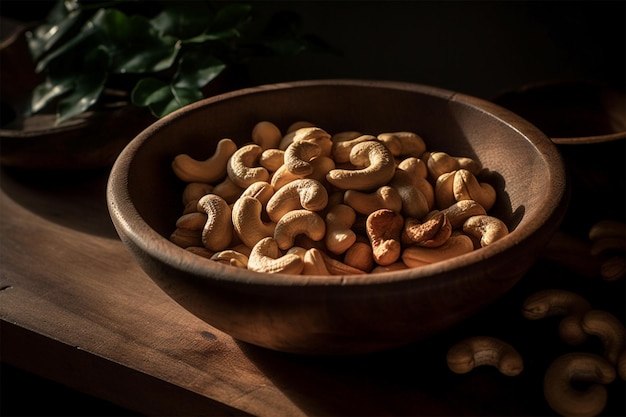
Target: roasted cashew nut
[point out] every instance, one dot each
(467, 187)
(484, 350)
(440, 163)
(376, 164)
(247, 222)
(366, 203)
(384, 229)
(218, 229)
(551, 302)
(339, 235)
(456, 245)
(414, 202)
(231, 257)
(301, 193)
(411, 144)
(609, 329)
(314, 263)
(298, 156)
(360, 255)
(343, 144)
(210, 170)
(266, 134)
(194, 190)
(272, 159)
(266, 257)
(260, 190)
(433, 232)
(243, 168)
(228, 190)
(566, 400)
(298, 222)
(462, 210)
(488, 229)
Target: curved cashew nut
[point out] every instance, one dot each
(456, 245)
(242, 166)
(314, 263)
(551, 302)
(434, 231)
(585, 367)
(360, 255)
(366, 203)
(194, 190)
(609, 329)
(301, 193)
(282, 176)
(260, 190)
(378, 167)
(488, 229)
(484, 350)
(266, 134)
(339, 235)
(411, 144)
(444, 190)
(298, 222)
(440, 163)
(192, 221)
(414, 202)
(218, 229)
(272, 159)
(210, 170)
(469, 164)
(309, 134)
(343, 144)
(231, 257)
(228, 190)
(266, 257)
(462, 210)
(467, 187)
(336, 267)
(247, 222)
(186, 238)
(384, 228)
(298, 156)
(418, 172)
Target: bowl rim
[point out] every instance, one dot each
(130, 223)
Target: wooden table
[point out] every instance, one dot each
(76, 308)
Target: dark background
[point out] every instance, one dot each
(480, 48)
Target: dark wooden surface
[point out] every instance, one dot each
(76, 308)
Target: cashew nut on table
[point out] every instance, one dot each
(310, 202)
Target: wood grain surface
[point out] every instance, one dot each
(76, 308)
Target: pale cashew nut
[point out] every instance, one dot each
(336, 267)
(210, 170)
(360, 255)
(309, 134)
(552, 302)
(298, 125)
(411, 144)
(462, 210)
(298, 156)
(339, 237)
(366, 203)
(228, 190)
(282, 176)
(247, 222)
(418, 172)
(469, 164)
(467, 187)
(440, 163)
(456, 245)
(314, 263)
(272, 159)
(266, 257)
(484, 350)
(376, 163)
(192, 221)
(266, 134)
(414, 202)
(321, 166)
(342, 145)
(242, 166)
(260, 190)
(194, 190)
(301, 193)
(298, 222)
(218, 229)
(186, 238)
(434, 231)
(231, 257)
(567, 400)
(609, 329)
(488, 229)
(384, 229)
(444, 190)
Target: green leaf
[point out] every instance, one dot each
(213, 36)
(47, 91)
(231, 16)
(87, 87)
(162, 98)
(197, 69)
(61, 18)
(182, 20)
(150, 90)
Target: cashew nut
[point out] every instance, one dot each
(266, 257)
(228, 190)
(566, 400)
(218, 229)
(440, 163)
(231, 257)
(194, 190)
(186, 238)
(192, 221)
(551, 302)
(272, 159)
(282, 176)
(384, 228)
(488, 229)
(418, 173)
(339, 236)
(298, 156)
(343, 144)
(310, 134)
(484, 350)
(467, 187)
(456, 245)
(210, 170)
(301, 193)
(366, 203)
(260, 190)
(360, 255)
(609, 329)
(376, 164)
(414, 203)
(433, 232)
(462, 210)
(314, 263)
(411, 144)
(297, 222)
(247, 222)
(242, 166)
(266, 134)
(336, 267)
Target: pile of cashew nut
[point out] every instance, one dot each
(308, 202)
(567, 375)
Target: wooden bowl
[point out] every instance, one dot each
(352, 313)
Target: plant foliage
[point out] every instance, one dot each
(170, 50)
